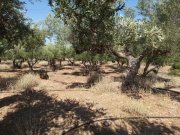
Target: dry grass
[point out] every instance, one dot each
(93, 78)
(153, 80)
(104, 94)
(176, 81)
(25, 82)
(129, 104)
(158, 81)
(104, 86)
(145, 83)
(5, 66)
(172, 84)
(135, 106)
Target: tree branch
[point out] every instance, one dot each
(155, 70)
(119, 54)
(120, 7)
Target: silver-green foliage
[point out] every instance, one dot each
(137, 36)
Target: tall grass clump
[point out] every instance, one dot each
(134, 106)
(105, 85)
(27, 81)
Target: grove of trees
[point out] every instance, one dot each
(94, 33)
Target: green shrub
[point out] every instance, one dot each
(176, 65)
(175, 72)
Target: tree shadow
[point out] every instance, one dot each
(125, 126)
(67, 68)
(144, 127)
(147, 83)
(118, 79)
(77, 85)
(92, 79)
(37, 71)
(10, 100)
(174, 95)
(6, 82)
(116, 69)
(37, 113)
(162, 79)
(76, 73)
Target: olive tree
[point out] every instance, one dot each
(13, 24)
(164, 14)
(17, 54)
(52, 53)
(91, 22)
(136, 40)
(56, 29)
(70, 54)
(32, 45)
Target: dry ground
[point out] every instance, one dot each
(62, 103)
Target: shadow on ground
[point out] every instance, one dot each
(174, 95)
(6, 82)
(36, 113)
(77, 85)
(76, 73)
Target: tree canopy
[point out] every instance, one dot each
(91, 22)
(164, 14)
(13, 24)
(56, 29)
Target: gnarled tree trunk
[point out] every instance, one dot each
(71, 61)
(60, 63)
(131, 73)
(17, 63)
(146, 68)
(52, 63)
(31, 63)
(154, 69)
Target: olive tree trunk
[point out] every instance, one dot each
(132, 71)
(146, 68)
(17, 63)
(31, 63)
(133, 68)
(52, 63)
